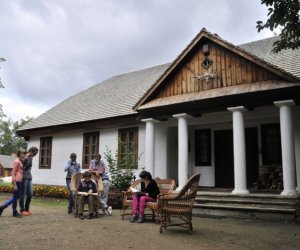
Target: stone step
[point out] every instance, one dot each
(245, 208)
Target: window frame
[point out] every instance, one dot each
(50, 138)
(198, 161)
(91, 156)
(135, 130)
(266, 158)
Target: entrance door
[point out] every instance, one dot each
(224, 164)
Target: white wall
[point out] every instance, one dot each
(62, 146)
(65, 144)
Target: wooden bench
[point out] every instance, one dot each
(165, 186)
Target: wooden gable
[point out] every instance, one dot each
(228, 67)
(231, 66)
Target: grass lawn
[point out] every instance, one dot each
(38, 200)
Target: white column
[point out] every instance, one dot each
(183, 154)
(150, 145)
(239, 150)
(287, 147)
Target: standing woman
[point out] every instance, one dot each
(17, 176)
(72, 167)
(149, 191)
(27, 181)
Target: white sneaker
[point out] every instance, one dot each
(109, 210)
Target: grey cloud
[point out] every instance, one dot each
(56, 48)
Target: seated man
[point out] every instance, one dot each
(86, 190)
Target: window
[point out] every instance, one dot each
(128, 147)
(90, 148)
(202, 147)
(271, 144)
(45, 152)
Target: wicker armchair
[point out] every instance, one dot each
(74, 186)
(179, 204)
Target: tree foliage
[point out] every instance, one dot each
(10, 142)
(283, 14)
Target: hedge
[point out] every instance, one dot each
(114, 197)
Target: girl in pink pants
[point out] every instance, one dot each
(149, 192)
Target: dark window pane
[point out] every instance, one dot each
(203, 147)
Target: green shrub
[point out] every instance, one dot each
(121, 172)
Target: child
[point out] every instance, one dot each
(17, 176)
(89, 187)
(72, 167)
(149, 191)
(27, 182)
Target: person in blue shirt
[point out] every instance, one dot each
(72, 167)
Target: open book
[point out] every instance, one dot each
(86, 194)
(135, 191)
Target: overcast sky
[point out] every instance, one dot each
(56, 48)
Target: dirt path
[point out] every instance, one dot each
(51, 228)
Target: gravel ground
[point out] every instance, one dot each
(50, 227)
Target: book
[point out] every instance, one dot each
(135, 191)
(86, 193)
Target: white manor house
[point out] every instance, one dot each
(228, 112)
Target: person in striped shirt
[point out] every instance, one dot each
(17, 177)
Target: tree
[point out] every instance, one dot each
(10, 142)
(283, 14)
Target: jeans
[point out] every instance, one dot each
(104, 194)
(14, 200)
(71, 201)
(27, 184)
(140, 202)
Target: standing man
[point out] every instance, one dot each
(27, 182)
(97, 167)
(72, 167)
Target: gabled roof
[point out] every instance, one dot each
(116, 96)
(7, 161)
(204, 34)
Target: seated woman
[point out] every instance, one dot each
(87, 188)
(149, 192)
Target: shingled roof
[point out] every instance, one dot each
(111, 98)
(288, 60)
(117, 95)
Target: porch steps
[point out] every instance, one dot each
(251, 206)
